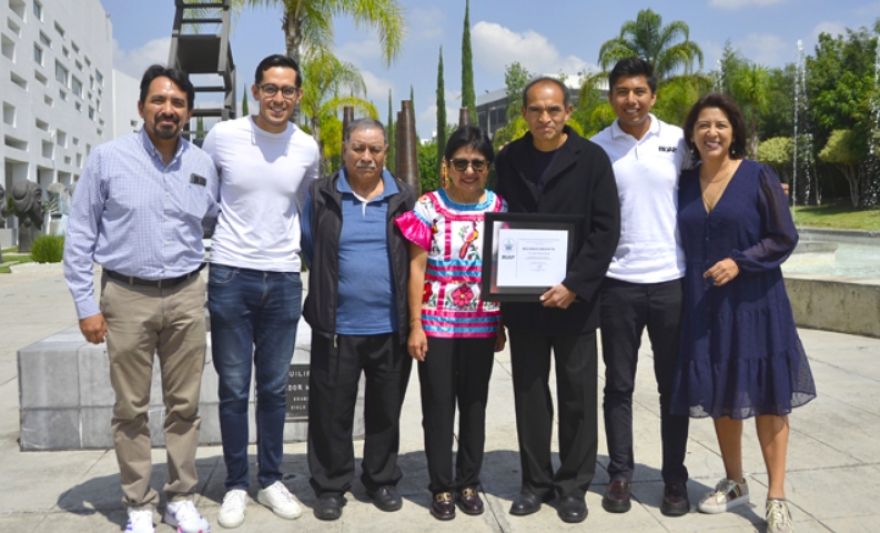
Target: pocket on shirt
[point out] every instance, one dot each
(196, 202)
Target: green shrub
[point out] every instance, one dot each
(47, 249)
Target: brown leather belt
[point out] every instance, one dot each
(154, 283)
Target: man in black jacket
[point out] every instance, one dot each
(358, 270)
(554, 170)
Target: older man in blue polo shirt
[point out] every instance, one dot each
(138, 211)
(357, 308)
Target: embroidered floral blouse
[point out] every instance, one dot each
(453, 236)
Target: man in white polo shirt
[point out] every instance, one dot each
(265, 164)
(643, 286)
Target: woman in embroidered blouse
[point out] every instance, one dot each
(453, 333)
(741, 356)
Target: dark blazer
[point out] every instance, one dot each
(579, 182)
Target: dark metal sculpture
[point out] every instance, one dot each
(406, 150)
(464, 116)
(27, 200)
(347, 117)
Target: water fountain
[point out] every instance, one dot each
(802, 140)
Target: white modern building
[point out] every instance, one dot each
(58, 89)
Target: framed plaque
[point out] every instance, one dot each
(297, 393)
(527, 253)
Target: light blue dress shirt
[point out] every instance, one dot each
(135, 215)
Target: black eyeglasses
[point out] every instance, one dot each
(271, 90)
(478, 165)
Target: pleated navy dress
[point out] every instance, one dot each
(740, 352)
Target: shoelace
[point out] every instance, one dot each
(186, 512)
(777, 514)
(237, 499)
(281, 491)
(723, 488)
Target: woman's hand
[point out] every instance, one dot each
(417, 344)
(722, 272)
(500, 339)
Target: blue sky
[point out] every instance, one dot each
(545, 36)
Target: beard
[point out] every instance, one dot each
(166, 133)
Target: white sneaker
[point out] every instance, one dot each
(280, 500)
(184, 516)
(727, 495)
(778, 517)
(232, 511)
(139, 521)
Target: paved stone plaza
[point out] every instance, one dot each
(833, 461)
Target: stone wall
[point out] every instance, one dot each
(834, 303)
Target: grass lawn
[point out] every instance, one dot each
(11, 255)
(838, 214)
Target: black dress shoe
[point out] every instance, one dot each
(470, 501)
(617, 497)
(527, 503)
(442, 506)
(572, 509)
(386, 498)
(675, 500)
(329, 506)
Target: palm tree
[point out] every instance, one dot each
(648, 38)
(325, 80)
(308, 24)
(752, 90)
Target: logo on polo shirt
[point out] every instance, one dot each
(672, 149)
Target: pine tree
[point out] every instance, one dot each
(468, 95)
(244, 103)
(389, 133)
(441, 114)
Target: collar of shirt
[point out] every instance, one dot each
(390, 187)
(151, 149)
(653, 129)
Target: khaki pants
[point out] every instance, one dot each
(142, 321)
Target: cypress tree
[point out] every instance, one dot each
(389, 134)
(441, 114)
(412, 98)
(244, 103)
(468, 94)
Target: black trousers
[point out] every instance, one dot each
(455, 369)
(336, 366)
(626, 309)
(576, 367)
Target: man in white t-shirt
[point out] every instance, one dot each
(265, 164)
(643, 286)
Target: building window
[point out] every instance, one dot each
(38, 55)
(91, 112)
(78, 106)
(61, 74)
(17, 7)
(45, 40)
(74, 46)
(76, 86)
(99, 77)
(88, 62)
(78, 65)
(38, 10)
(65, 51)
(59, 29)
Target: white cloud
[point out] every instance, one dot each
(767, 49)
(377, 88)
(736, 4)
(358, 50)
(830, 27)
(495, 47)
(426, 23)
(134, 62)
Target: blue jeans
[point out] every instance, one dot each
(254, 315)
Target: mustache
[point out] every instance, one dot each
(172, 118)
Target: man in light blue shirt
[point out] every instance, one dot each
(138, 211)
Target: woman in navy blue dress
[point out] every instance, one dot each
(740, 352)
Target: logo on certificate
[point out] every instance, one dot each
(508, 249)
